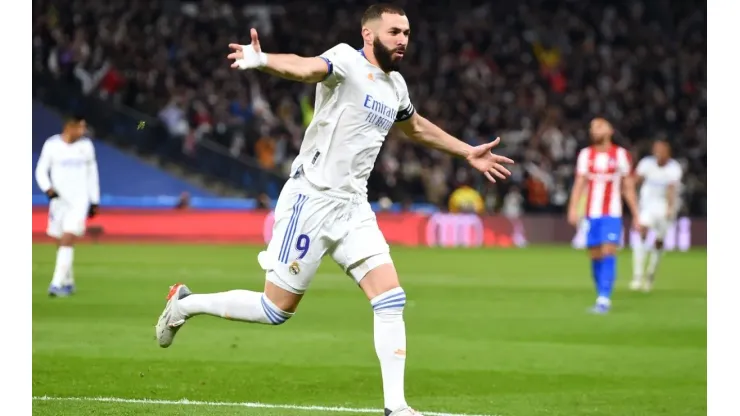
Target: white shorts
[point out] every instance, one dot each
(309, 224)
(656, 219)
(66, 218)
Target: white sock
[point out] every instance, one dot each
(603, 300)
(65, 256)
(239, 305)
(390, 345)
(638, 259)
(69, 279)
(655, 255)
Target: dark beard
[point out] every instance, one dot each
(385, 57)
(598, 140)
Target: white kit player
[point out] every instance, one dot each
(323, 208)
(68, 173)
(660, 176)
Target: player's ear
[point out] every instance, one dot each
(367, 35)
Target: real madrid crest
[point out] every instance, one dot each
(294, 269)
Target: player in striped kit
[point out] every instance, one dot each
(606, 169)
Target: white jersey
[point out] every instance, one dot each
(70, 169)
(356, 105)
(656, 179)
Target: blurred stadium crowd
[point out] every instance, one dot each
(533, 72)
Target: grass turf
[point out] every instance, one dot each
(501, 332)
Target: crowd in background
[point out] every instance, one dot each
(533, 72)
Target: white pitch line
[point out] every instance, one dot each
(186, 402)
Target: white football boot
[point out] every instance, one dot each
(636, 283)
(406, 411)
(648, 285)
(172, 318)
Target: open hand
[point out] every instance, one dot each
(490, 164)
(248, 56)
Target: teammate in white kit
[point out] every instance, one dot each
(660, 177)
(323, 208)
(606, 169)
(68, 173)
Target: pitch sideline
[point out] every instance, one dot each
(186, 402)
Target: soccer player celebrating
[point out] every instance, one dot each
(606, 169)
(68, 173)
(660, 176)
(323, 208)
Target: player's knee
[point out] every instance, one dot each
(595, 253)
(67, 240)
(659, 244)
(608, 250)
(281, 296)
(275, 315)
(390, 304)
(376, 275)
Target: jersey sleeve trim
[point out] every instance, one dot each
(329, 65)
(406, 113)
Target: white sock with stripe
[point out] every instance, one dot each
(239, 305)
(390, 345)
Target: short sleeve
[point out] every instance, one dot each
(676, 172)
(91, 150)
(624, 162)
(339, 60)
(642, 167)
(582, 162)
(405, 108)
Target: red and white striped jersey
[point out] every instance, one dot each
(604, 171)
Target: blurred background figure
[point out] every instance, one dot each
(465, 199)
(184, 201)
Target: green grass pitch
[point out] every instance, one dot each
(495, 332)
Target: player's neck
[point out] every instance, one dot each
(367, 52)
(603, 147)
(67, 138)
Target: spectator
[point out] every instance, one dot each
(465, 199)
(513, 203)
(480, 70)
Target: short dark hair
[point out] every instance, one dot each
(74, 118)
(663, 140)
(376, 11)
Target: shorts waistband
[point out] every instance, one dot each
(300, 177)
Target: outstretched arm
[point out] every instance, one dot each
(423, 131)
(287, 66)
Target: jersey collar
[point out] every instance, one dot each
(362, 52)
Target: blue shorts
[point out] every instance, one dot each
(604, 230)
